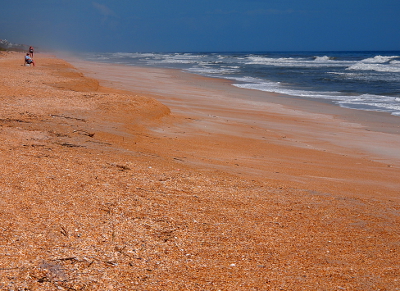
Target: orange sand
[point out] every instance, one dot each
(171, 181)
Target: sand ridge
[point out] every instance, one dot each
(109, 189)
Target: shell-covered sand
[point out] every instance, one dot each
(105, 189)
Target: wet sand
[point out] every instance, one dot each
(125, 178)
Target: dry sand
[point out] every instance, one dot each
(159, 180)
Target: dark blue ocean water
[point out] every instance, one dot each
(358, 80)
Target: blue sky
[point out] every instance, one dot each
(202, 25)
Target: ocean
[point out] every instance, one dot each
(357, 80)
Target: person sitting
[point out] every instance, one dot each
(29, 60)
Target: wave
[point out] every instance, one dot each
(379, 59)
(317, 61)
(378, 67)
(212, 72)
(133, 55)
(378, 63)
(324, 59)
(368, 102)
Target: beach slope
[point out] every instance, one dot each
(177, 182)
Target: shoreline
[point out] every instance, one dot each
(368, 118)
(327, 141)
(171, 181)
(252, 99)
(356, 95)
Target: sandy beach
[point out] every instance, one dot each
(126, 178)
